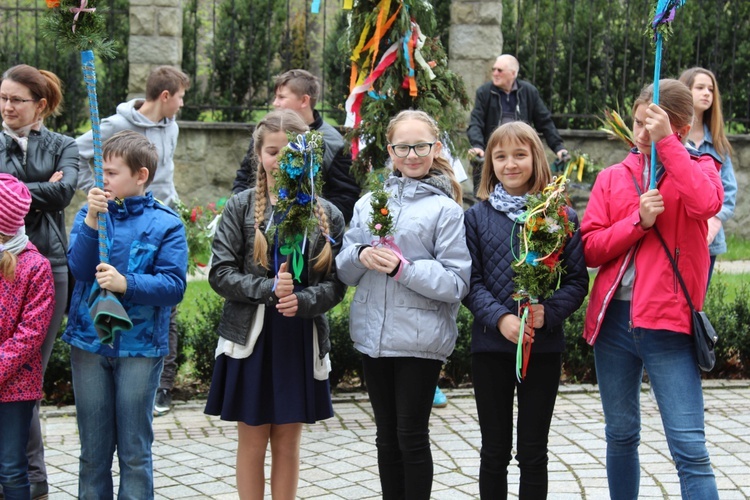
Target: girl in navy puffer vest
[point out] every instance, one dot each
(514, 166)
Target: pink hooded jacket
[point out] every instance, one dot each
(612, 236)
(26, 306)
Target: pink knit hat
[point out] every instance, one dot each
(15, 201)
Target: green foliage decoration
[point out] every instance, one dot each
(544, 232)
(443, 97)
(297, 184)
(381, 222)
(78, 25)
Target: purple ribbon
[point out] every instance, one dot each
(77, 11)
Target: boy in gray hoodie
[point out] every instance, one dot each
(154, 118)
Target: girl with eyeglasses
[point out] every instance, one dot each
(47, 162)
(403, 315)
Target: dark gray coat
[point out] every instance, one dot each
(485, 117)
(245, 284)
(47, 153)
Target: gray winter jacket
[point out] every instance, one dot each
(163, 135)
(413, 314)
(236, 276)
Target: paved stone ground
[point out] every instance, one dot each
(194, 454)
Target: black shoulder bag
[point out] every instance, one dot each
(704, 335)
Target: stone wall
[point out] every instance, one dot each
(476, 40)
(209, 154)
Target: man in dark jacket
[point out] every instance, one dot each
(298, 90)
(506, 99)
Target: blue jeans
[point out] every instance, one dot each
(114, 404)
(14, 434)
(669, 358)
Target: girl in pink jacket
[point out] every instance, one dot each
(27, 300)
(638, 316)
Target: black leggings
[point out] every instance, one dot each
(401, 392)
(494, 378)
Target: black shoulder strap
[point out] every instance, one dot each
(666, 249)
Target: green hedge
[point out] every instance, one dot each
(730, 317)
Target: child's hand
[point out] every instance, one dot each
(510, 326)
(284, 282)
(287, 306)
(97, 200)
(657, 123)
(379, 259)
(109, 279)
(652, 204)
(537, 313)
(714, 226)
(57, 176)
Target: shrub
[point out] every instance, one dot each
(58, 378)
(346, 361)
(457, 369)
(578, 358)
(199, 333)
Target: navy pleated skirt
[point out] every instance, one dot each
(275, 384)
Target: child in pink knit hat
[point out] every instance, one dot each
(27, 299)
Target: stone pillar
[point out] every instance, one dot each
(155, 40)
(476, 40)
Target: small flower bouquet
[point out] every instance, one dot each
(381, 223)
(200, 224)
(297, 185)
(546, 228)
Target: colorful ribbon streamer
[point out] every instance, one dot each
(665, 11)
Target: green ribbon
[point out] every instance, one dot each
(293, 247)
(519, 346)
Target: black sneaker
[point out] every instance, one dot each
(40, 490)
(163, 402)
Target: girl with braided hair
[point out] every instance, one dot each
(271, 371)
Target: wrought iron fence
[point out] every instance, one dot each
(584, 55)
(22, 43)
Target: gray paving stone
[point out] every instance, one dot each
(194, 454)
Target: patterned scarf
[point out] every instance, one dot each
(512, 206)
(21, 135)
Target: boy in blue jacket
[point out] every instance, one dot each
(115, 383)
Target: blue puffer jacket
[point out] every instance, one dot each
(148, 247)
(488, 233)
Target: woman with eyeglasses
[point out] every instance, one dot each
(403, 315)
(47, 162)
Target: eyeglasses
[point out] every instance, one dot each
(15, 101)
(420, 149)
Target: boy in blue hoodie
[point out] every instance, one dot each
(153, 117)
(115, 383)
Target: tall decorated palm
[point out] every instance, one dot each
(396, 65)
(81, 26)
